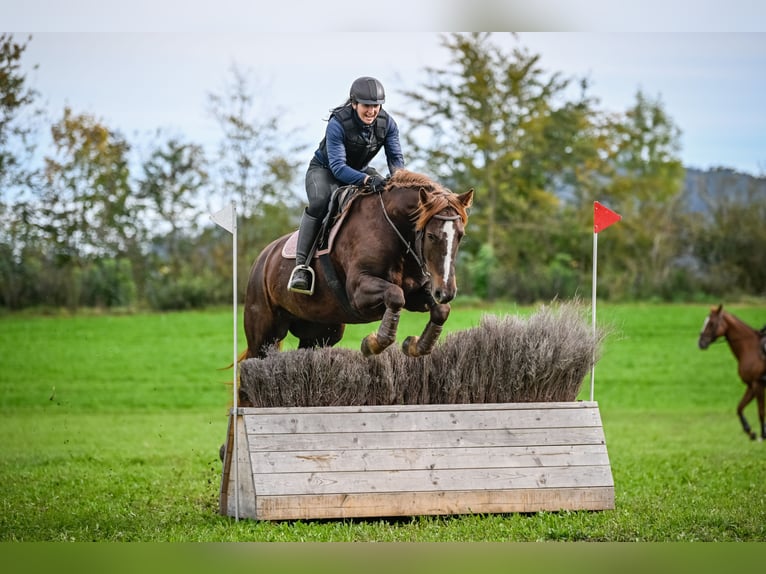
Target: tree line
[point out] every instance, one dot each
(87, 224)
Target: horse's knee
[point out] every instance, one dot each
(394, 299)
(439, 314)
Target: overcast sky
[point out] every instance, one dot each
(138, 75)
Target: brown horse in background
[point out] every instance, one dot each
(745, 343)
(395, 250)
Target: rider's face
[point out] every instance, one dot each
(366, 112)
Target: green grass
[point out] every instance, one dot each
(111, 427)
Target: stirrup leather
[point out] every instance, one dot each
(310, 290)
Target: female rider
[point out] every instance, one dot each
(356, 131)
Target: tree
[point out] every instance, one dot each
(496, 120)
(20, 244)
(87, 204)
(645, 184)
(88, 195)
(726, 237)
(174, 177)
(257, 169)
(16, 101)
(254, 165)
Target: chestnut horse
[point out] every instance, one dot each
(745, 344)
(395, 250)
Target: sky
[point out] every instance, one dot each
(708, 66)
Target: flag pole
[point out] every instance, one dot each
(235, 367)
(227, 218)
(603, 217)
(593, 315)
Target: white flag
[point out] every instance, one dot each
(225, 218)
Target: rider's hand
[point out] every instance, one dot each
(376, 183)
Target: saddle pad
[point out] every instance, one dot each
(288, 249)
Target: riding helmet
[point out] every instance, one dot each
(367, 90)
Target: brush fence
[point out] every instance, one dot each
(407, 460)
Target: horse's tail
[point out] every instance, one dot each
(243, 355)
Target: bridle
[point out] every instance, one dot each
(415, 250)
(715, 338)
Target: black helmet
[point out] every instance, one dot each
(367, 90)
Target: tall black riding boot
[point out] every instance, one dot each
(302, 277)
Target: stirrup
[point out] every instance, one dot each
(310, 290)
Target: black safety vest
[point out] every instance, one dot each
(359, 150)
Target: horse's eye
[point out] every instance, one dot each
(433, 237)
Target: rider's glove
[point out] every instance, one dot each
(376, 183)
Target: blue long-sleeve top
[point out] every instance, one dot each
(335, 159)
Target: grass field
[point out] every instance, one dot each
(111, 426)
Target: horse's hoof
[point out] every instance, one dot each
(752, 436)
(410, 346)
(367, 349)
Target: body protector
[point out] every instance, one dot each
(359, 150)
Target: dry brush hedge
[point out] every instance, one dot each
(505, 359)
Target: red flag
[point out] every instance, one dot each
(603, 217)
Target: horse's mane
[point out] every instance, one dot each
(739, 321)
(440, 198)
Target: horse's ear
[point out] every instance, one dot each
(466, 198)
(423, 195)
(717, 310)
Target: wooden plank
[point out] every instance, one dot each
(430, 480)
(399, 421)
(433, 503)
(428, 439)
(428, 458)
(246, 503)
(418, 408)
(223, 499)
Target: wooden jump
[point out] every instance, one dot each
(408, 460)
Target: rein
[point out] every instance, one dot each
(417, 253)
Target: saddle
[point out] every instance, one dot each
(340, 201)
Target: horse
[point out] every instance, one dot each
(394, 250)
(745, 343)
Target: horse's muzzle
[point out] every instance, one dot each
(703, 343)
(442, 296)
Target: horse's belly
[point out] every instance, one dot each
(325, 309)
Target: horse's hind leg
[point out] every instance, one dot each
(312, 335)
(746, 398)
(264, 327)
(759, 395)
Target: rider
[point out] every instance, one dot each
(356, 131)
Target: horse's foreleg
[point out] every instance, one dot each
(746, 398)
(423, 345)
(377, 342)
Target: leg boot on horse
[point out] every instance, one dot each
(302, 277)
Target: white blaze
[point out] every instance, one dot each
(449, 231)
